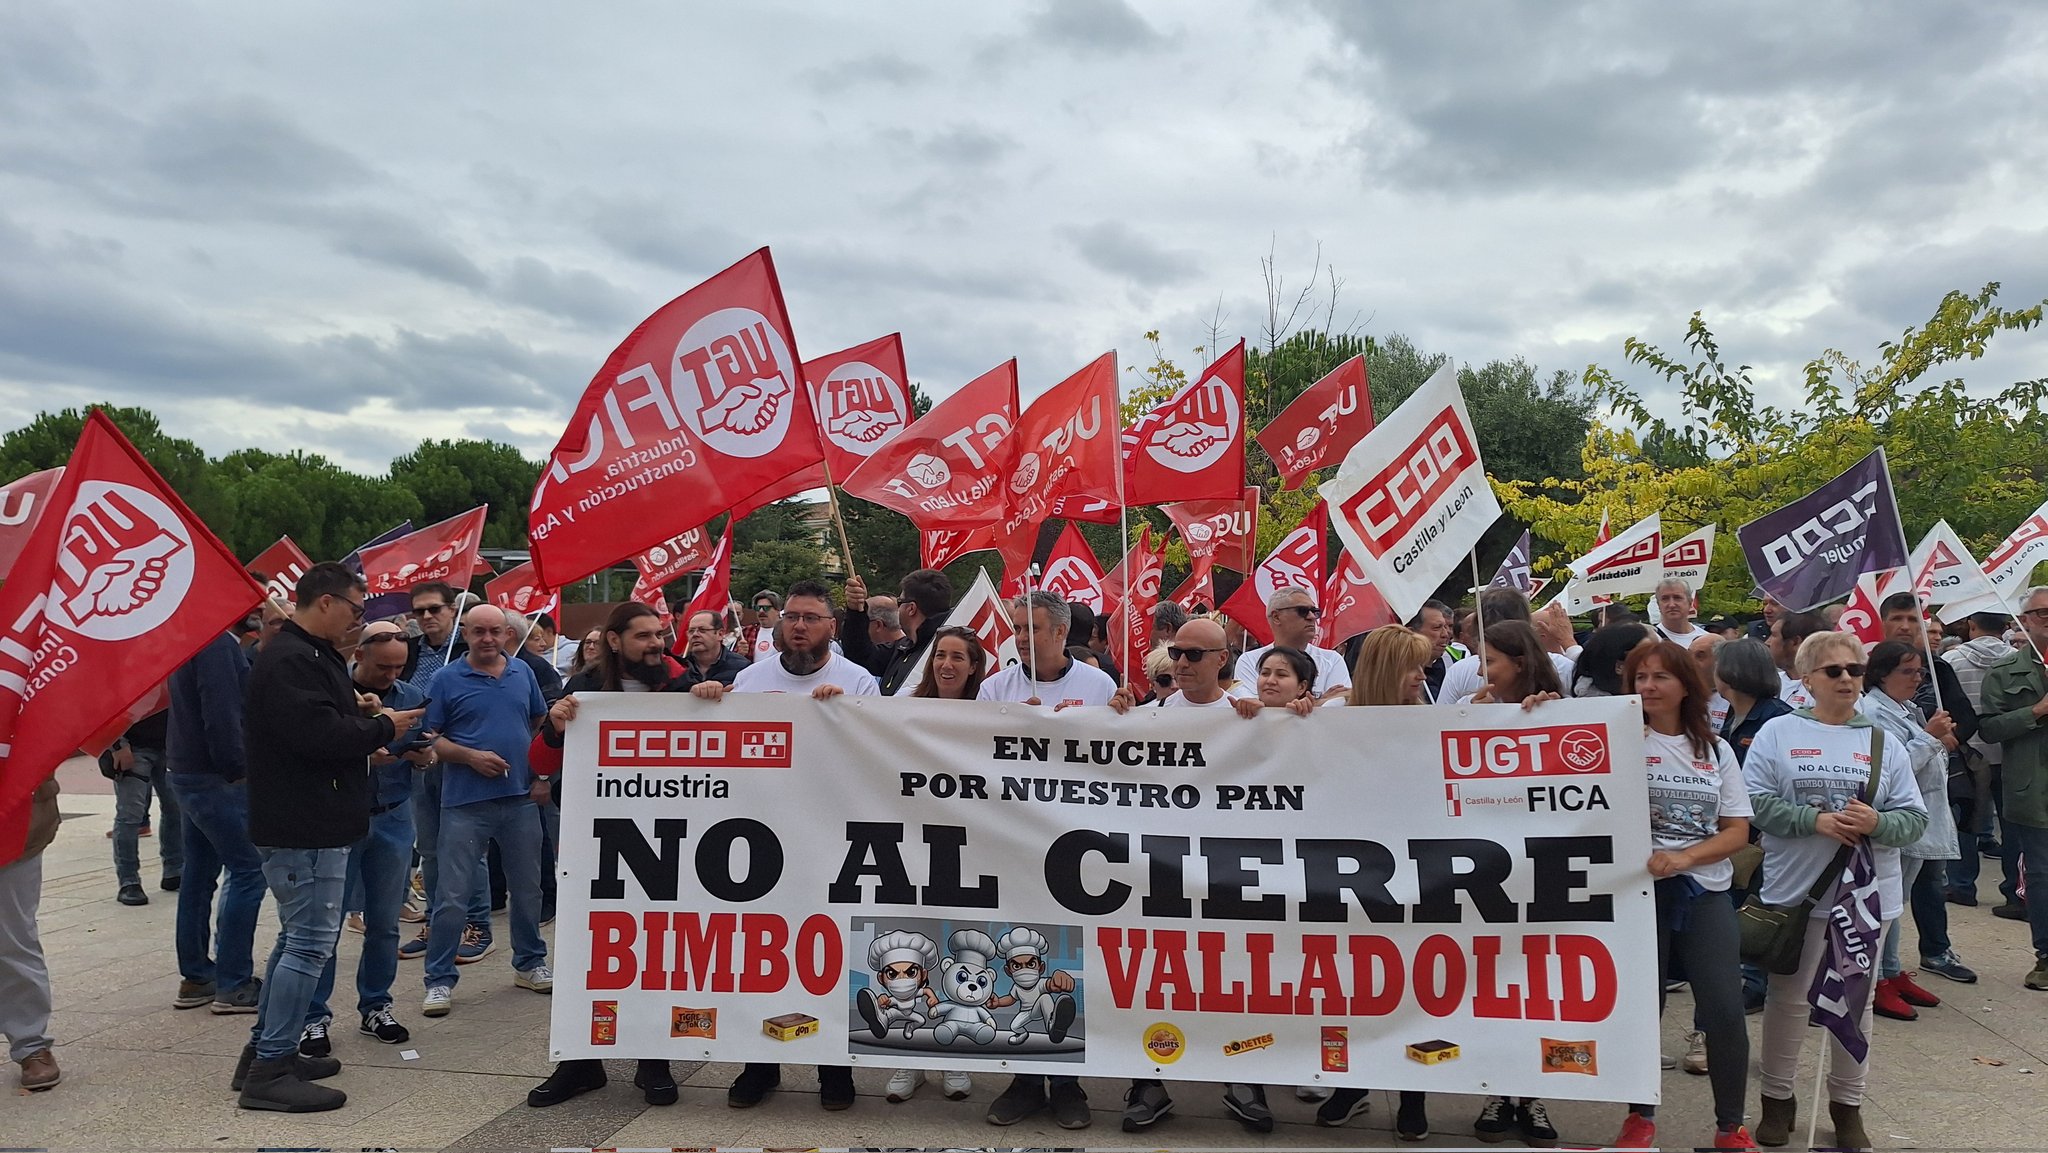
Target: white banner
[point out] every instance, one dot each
(1183, 894)
(1943, 570)
(1411, 500)
(2008, 567)
(1630, 562)
(1689, 557)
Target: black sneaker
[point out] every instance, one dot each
(132, 894)
(835, 1088)
(754, 1082)
(1411, 1119)
(1496, 1117)
(1534, 1120)
(1024, 1097)
(313, 1041)
(655, 1082)
(1248, 1104)
(1342, 1106)
(170, 884)
(570, 1079)
(2011, 911)
(1070, 1104)
(1145, 1105)
(379, 1023)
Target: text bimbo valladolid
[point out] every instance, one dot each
(1406, 898)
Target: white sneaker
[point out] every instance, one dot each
(1312, 1093)
(903, 1083)
(539, 978)
(1695, 1059)
(958, 1084)
(437, 1001)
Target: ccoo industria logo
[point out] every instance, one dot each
(694, 745)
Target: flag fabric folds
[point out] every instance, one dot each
(1812, 550)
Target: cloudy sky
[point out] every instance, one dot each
(344, 227)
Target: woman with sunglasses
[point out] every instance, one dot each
(1808, 776)
(1890, 683)
(1389, 671)
(1699, 817)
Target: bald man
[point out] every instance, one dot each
(485, 708)
(1199, 657)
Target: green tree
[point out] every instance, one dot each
(325, 508)
(47, 441)
(774, 565)
(450, 477)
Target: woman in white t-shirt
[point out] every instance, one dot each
(1808, 775)
(1699, 816)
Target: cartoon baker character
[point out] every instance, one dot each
(969, 984)
(1045, 999)
(901, 961)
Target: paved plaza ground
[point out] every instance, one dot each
(1972, 1074)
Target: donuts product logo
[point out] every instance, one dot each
(732, 378)
(862, 406)
(124, 563)
(1164, 1043)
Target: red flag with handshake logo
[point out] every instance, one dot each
(446, 552)
(118, 585)
(698, 408)
(520, 590)
(948, 469)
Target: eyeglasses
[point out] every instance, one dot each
(1833, 671)
(2040, 614)
(428, 610)
(1308, 612)
(1178, 653)
(355, 607)
(805, 618)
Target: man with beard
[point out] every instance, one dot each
(705, 658)
(805, 664)
(633, 661)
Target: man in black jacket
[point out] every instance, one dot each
(921, 609)
(308, 741)
(704, 657)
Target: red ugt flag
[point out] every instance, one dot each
(949, 469)
(283, 564)
(446, 552)
(1130, 633)
(939, 547)
(714, 592)
(1071, 571)
(1192, 446)
(1065, 446)
(1296, 562)
(673, 557)
(862, 398)
(1321, 425)
(520, 591)
(21, 505)
(699, 407)
(117, 586)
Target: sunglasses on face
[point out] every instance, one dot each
(1175, 652)
(1308, 612)
(428, 610)
(1831, 672)
(764, 608)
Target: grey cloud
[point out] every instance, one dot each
(39, 53)
(244, 144)
(1097, 27)
(387, 238)
(965, 145)
(574, 293)
(878, 69)
(644, 230)
(1116, 248)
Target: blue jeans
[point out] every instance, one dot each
(216, 827)
(307, 885)
(426, 819)
(378, 867)
(1929, 903)
(465, 831)
(131, 811)
(1961, 874)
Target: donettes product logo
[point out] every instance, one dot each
(694, 744)
(1164, 1043)
(1248, 1045)
(124, 563)
(1556, 751)
(736, 368)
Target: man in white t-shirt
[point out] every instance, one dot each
(1292, 613)
(1199, 655)
(1495, 604)
(1044, 674)
(1788, 632)
(1674, 612)
(805, 664)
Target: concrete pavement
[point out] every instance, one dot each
(141, 1075)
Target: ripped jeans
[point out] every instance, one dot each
(307, 886)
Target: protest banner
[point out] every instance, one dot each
(1412, 499)
(1689, 557)
(21, 505)
(1812, 550)
(282, 564)
(1171, 893)
(1632, 561)
(1321, 425)
(2007, 568)
(1943, 570)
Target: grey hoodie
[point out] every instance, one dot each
(1970, 660)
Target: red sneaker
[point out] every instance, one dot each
(1912, 993)
(1736, 1140)
(1637, 1132)
(1891, 1004)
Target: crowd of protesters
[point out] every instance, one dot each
(368, 775)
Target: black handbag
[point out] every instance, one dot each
(1773, 935)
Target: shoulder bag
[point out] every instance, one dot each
(1772, 935)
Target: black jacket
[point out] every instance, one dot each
(891, 663)
(723, 670)
(308, 746)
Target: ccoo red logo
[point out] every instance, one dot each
(694, 744)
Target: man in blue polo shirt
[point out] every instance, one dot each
(485, 707)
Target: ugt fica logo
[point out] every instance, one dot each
(124, 563)
(732, 381)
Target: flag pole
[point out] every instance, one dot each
(832, 500)
(1123, 531)
(1905, 550)
(1479, 612)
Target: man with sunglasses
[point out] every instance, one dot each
(1044, 673)
(2016, 716)
(1292, 614)
(1199, 657)
(757, 639)
(433, 610)
(308, 737)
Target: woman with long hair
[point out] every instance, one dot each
(1517, 667)
(957, 666)
(1598, 670)
(1810, 782)
(588, 651)
(1389, 671)
(1699, 816)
